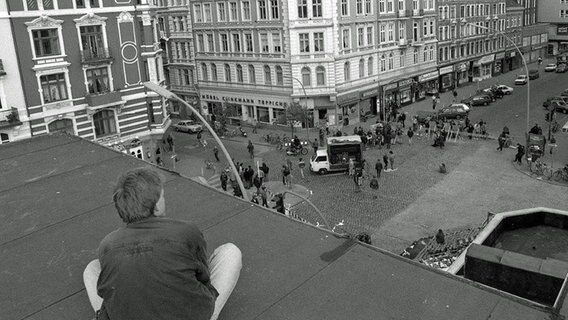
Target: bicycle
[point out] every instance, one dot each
(561, 174)
(542, 170)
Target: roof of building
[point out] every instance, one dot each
(56, 206)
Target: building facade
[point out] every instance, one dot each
(82, 64)
(555, 13)
(535, 33)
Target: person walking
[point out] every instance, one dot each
(170, 140)
(216, 153)
(386, 161)
(301, 165)
(265, 169)
(315, 145)
(264, 196)
(351, 167)
(501, 141)
(520, 153)
(410, 134)
(391, 159)
(374, 184)
(455, 94)
(379, 168)
(224, 178)
(286, 176)
(434, 102)
(250, 148)
(358, 179)
(199, 138)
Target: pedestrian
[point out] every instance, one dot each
(351, 167)
(440, 237)
(170, 140)
(301, 165)
(260, 175)
(255, 126)
(153, 253)
(216, 153)
(315, 145)
(289, 164)
(256, 182)
(358, 179)
(374, 184)
(285, 175)
(224, 178)
(410, 134)
(321, 136)
(265, 169)
(520, 153)
(455, 93)
(386, 161)
(264, 196)
(250, 148)
(403, 119)
(470, 131)
(279, 199)
(379, 167)
(391, 159)
(434, 102)
(199, 138)
(501, 141)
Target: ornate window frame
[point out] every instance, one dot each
(50, 71)
(91, 19)
(46, 22)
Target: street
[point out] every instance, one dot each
(416, 200)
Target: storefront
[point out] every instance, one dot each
(499, 66)
(267, 109)
(482, 68)
(462, 73)
(368, 104)
(405, 91)
(348, 108)
(427, 84)
(446, 78)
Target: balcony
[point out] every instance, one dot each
(96, 56)
(2, 72)
(9, 118)
(404, 13)
(403, 43)
(418, 12)
(102, 100)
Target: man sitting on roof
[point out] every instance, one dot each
(155, 267)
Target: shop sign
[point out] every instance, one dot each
(389, 87)
(404, 83)
(447, 69)
(500, 55)
(486, 59)
(461, 67)
(351, 97)
(245, 100)
(428, 76)
(562, 29)
(370, 93)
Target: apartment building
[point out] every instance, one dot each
(534, 32)
(555, 13)
(82, 63)
(14, 123)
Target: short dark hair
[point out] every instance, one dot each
(136, 194)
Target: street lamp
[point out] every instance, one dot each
(305, 104)
(524, 63)
(172, 96)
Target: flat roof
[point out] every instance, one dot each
(57, 206)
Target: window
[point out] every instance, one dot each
(415, 31)
(227, 73)
(210, 43)
(267, 75)
(276, 42)
(275, 9)
(206, 12)
(187, 77)
(346, 71)
(97, 80)
(360, 37)
(401, 5)
(431, 26)
(222, 15)
(368, 7)
(234, 13)
(302, 9)
(239, 73)
(197, 12)
(344, 8)
(204, 76)
(264, 42)
(92, 42)
(390, 6)
(224, 43)
(382, 33)
(78, 4)
(402, 59)
(370, 66)
(320, 76)
(425, 54)
(104, 123)
(237, 42)
(279, 76)
(46, 42)
(63, 125)
(318, 42)
(306, 77)
(432, 52)
(54, 87)
(252, 74)
(383, 63)
(391, 61)
(4, 138)
(382, 6)
(262, 11)
(200, 42)
(346, 44)
(391, 31)
(361, 68)
(359, 6)
(369, 36)
(213, 72)
(248, 42)
(415, 56)
(316, 9)
(246, 10)
(401, 30)
(304, 42)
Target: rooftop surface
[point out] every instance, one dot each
(55, 192)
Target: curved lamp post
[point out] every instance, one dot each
(172, 96)
(305, 104)
(524, 63)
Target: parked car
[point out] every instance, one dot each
(551, 67)
(533, 74)
(561, 68)
(459, 105)
(504, 88)
(559, 106)
(547, 102)
(493, 93)
(478, 100)
(188, 126)
(521, 79)
(456, 111)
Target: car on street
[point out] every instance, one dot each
(551, 67)
(459, 105)
(188, 126)
(559, 106)
(504, 88)
(521, 79)
(561, 68)
(494, 93)
(478, 100)
(549, 100)
(453, 112)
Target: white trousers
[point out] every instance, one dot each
(224, 267)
